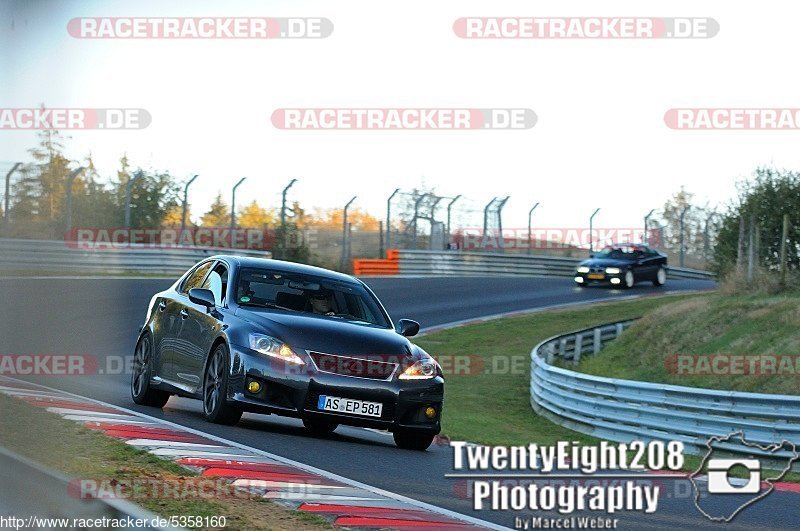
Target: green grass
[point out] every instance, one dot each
(79, 452)
(493, 406)
(712, 324)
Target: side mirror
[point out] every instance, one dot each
(591, 255)
(203, 297)
(407, 327)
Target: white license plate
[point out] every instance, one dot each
(348, 405)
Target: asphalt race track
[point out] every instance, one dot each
(101, 317)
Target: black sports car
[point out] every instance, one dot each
(623, 265)
(251, 334)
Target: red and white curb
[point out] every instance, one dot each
(346, 503)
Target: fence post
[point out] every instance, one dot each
(598, 340)
(683, 229)
(750, 249)
(345, 239)
(381, 249)
(740, 247)
(784, 237)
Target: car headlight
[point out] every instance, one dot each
(275, 348)
(613, 270)
(421, 370)
(583, 269)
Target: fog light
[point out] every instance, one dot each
(430, 412)
(254, 386)
(615, 281)
(579, 280)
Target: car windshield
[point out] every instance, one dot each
(298, 292)
(619, 253)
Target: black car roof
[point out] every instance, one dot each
(283, 266)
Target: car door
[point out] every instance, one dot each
(199, 328)
(176, 340)
(647, 264)
(168, 321)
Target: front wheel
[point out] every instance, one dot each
(215, 390)
(661, 277)
(628, 280)
(413, 441)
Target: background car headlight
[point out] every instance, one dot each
(583, 269)
(612, 270)
(420, 370)
(273, 347)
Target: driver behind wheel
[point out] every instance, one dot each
(321, 303)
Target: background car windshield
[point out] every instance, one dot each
(618, 253)
(293, 291)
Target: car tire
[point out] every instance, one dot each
(628, 280)
(661, 277)
(216, 408)
(410, 440)
(141, 392)
(320, 427)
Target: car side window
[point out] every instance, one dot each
(195, 277)
(217, 282)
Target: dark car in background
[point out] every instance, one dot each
(623, 265)
(265, 336)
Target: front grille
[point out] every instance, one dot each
(354, 367)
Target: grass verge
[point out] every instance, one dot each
(492, 405)
(79, 452)
(675, 344)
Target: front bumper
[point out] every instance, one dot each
(294, 390)
(615, 279)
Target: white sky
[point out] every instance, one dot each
(600, 140)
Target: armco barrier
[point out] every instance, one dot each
(455, 263)
(625, 410)
(38, 493)
(56, 256)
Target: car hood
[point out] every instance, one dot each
(606, 262)
(327, 335)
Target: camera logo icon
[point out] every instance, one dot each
(721, 482)
(725, 485)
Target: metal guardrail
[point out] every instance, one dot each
(627, 410)
(455, 263)
(40, 497)
(57, 256)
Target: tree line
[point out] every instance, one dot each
(38, 202)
